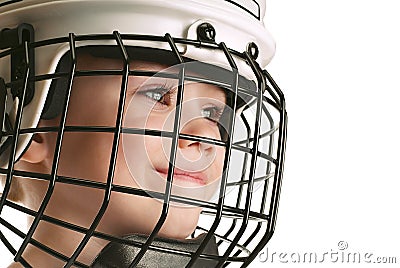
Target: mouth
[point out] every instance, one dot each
(197, 178)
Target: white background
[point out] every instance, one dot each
(338, 63)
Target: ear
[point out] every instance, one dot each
(37, 150)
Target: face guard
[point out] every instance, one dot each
(40, 68)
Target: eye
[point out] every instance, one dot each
(161, 96)
(212, 113)
(155, 95)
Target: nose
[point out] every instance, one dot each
(199, 127)
(195, 155)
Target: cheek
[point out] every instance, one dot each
(94, 101)
(86, 155)
(137, 158)
(143, 147)
(219, 159)
(138, 148)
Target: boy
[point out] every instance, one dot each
(118, 134)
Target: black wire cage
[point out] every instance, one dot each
(241, 220)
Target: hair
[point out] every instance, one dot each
(16, 192)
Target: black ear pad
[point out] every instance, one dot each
(58, 89)
(116, 255)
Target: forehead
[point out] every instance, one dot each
(108, 57)
(88, 61)
(157, 63)
(112, 55)
(155, 60)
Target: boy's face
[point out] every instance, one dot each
(142, 160)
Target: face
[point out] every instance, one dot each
(142, 160)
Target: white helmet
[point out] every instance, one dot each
(38, 41)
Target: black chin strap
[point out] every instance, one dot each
(116, 255)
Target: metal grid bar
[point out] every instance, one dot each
(17, 125)
(172, 157)
(278, 174)
(12, 249)
(52, 182)
(95, 234)
(14, 141)
(243, 181)
(253, 162)
(281, 153)
(227, 156)
(110, 176)
(232, 212)
(39, 245)
(219, 210)
(266, 183)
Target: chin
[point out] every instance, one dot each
(180, 223)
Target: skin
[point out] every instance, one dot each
(142, 161)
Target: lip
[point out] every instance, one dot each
(193, 177)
